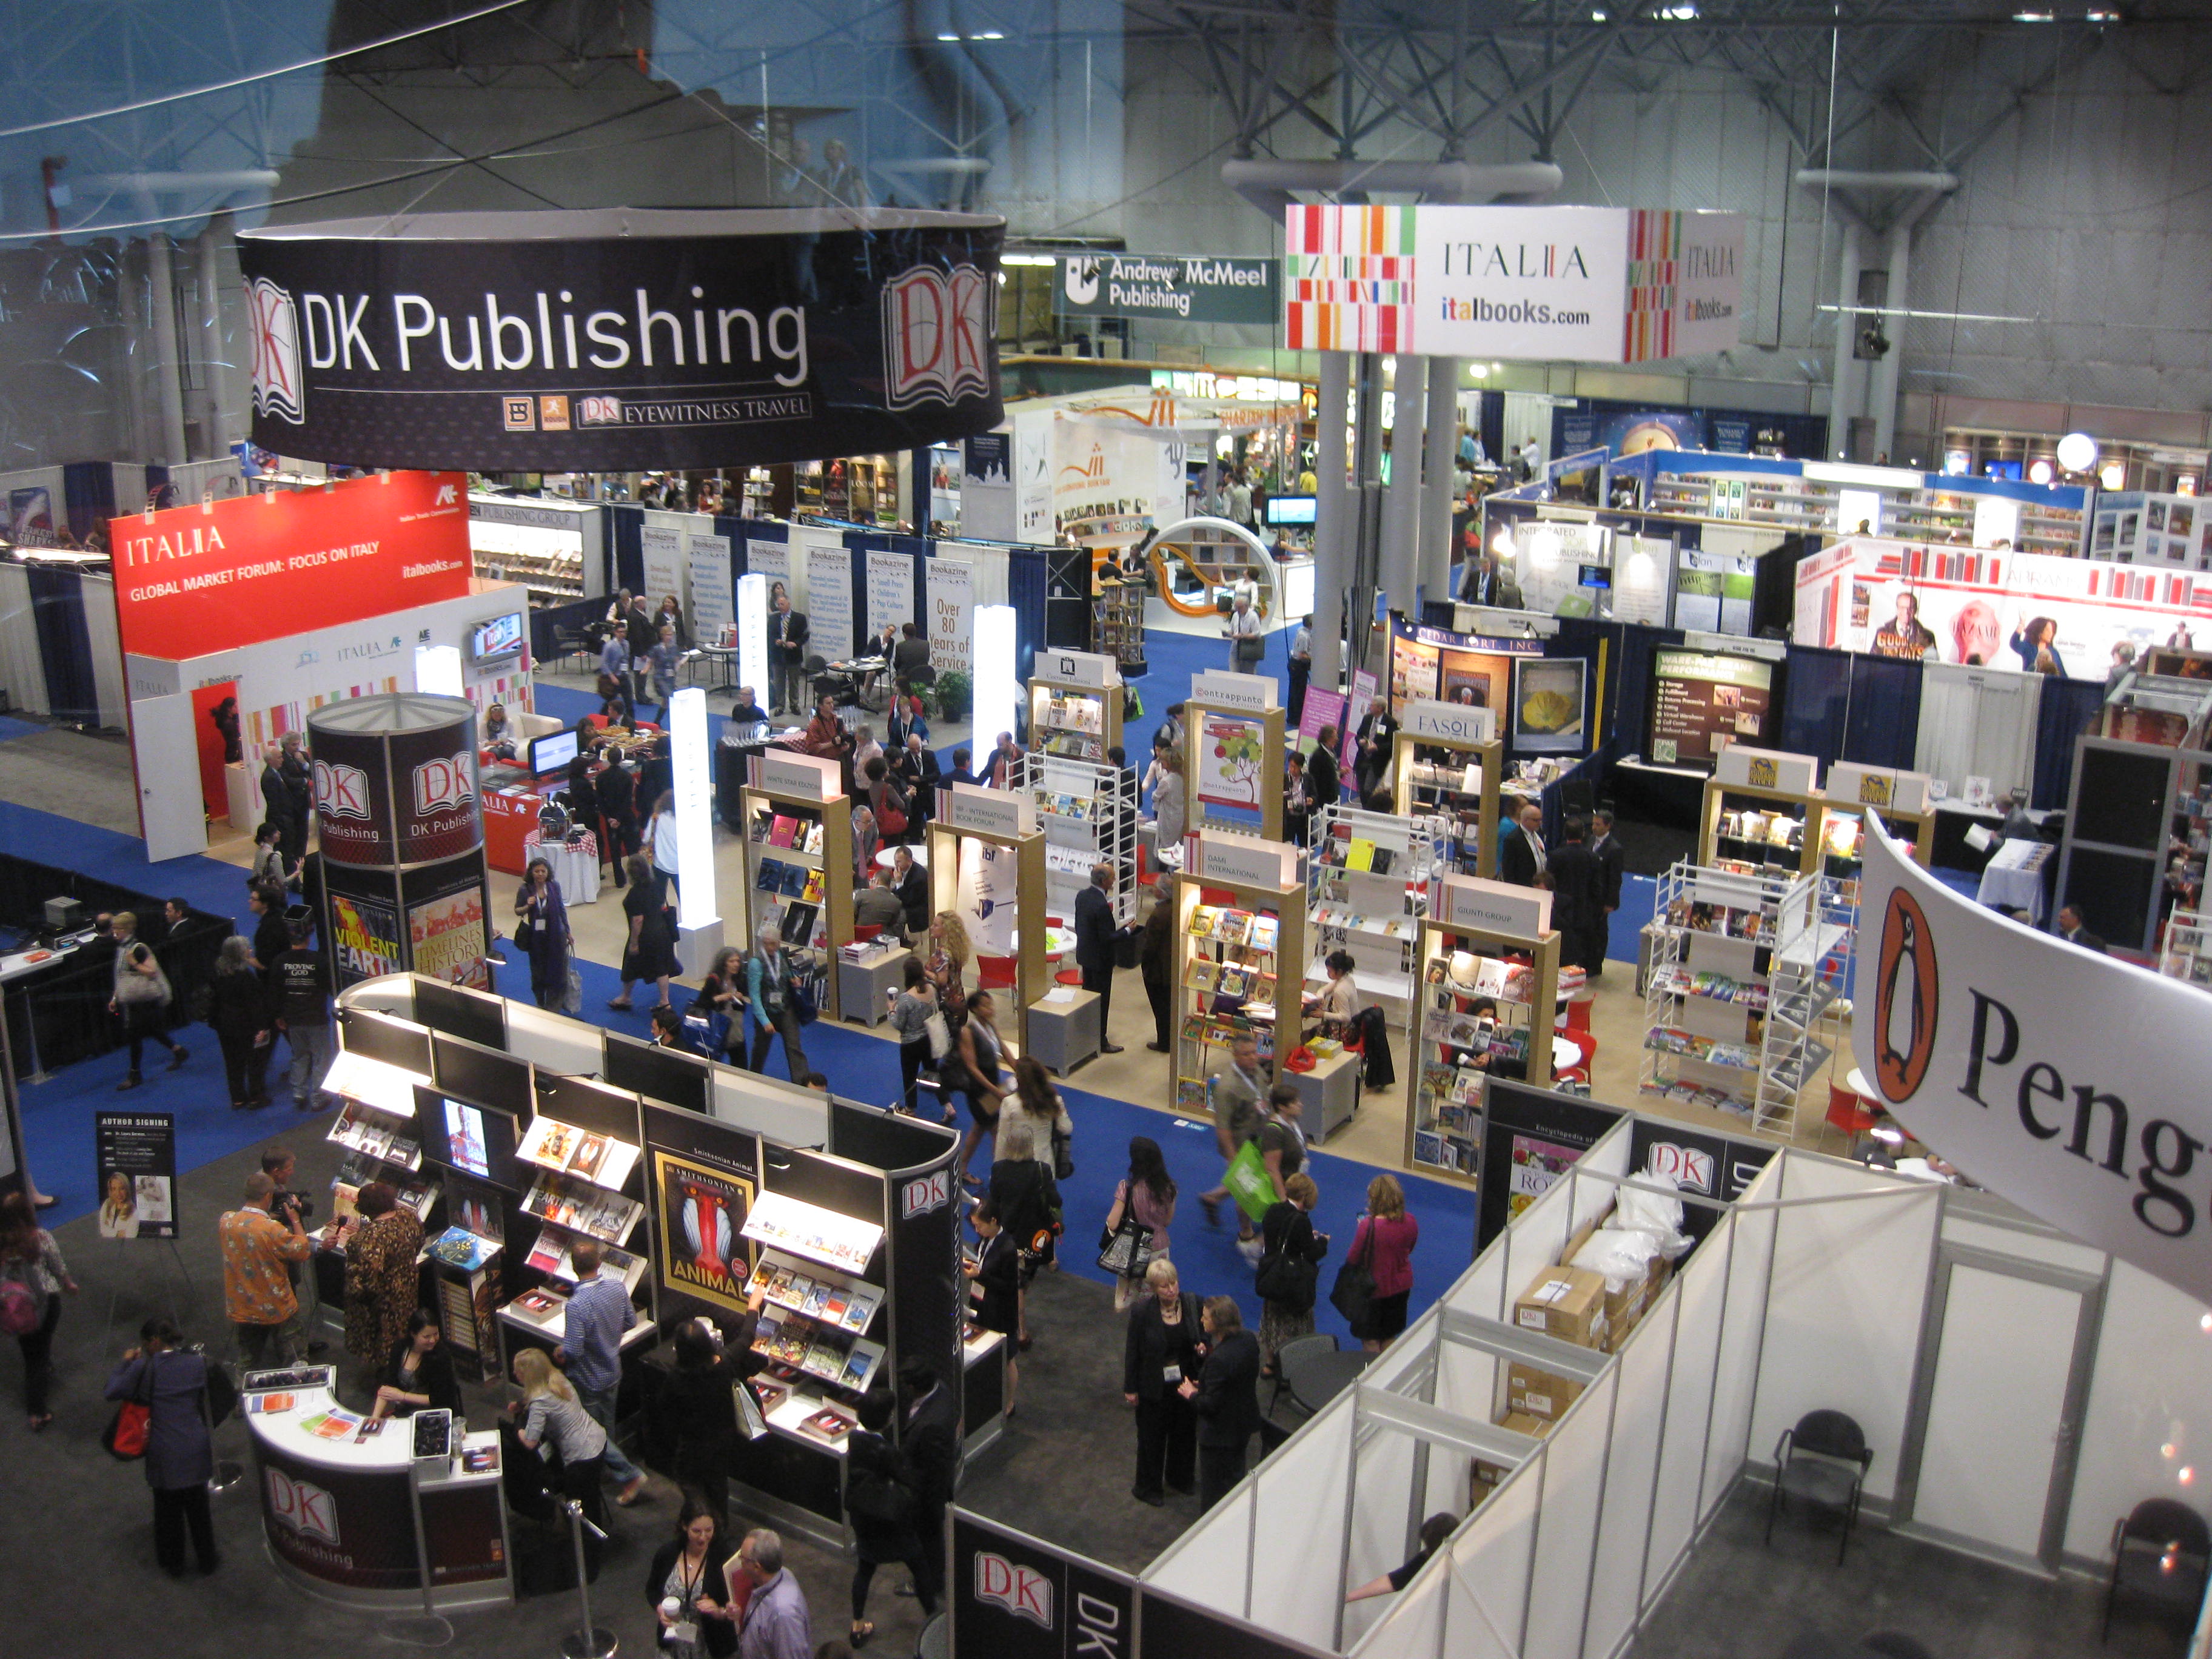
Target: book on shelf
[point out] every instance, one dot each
(792, 879)
(457, 1246)
(782, 831)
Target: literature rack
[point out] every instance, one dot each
(1117, 620)
(1445, 771)
(1086, 821)
(797, 857)
(2186, 953)
(1236, 933)
(817, 1321)
(1460, 963)
(1366, 890)
(1762, 812)
(1007, 820)
(1257, 755)
(378, 1134)
(1746, 964)
(1855, 793)
(1075, 705)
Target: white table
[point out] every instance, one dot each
(885, 855)
(2012, 880)
(576, 868)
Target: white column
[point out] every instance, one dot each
(168, 382)
(1843, 398)
(1401, 502)
(1881, 396)
(1434, 566)
(1333, 528)
(212, 351)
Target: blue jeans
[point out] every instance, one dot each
(600, 1403)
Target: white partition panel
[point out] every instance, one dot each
(1210, 1564)
(553, 1041)
(1302, 1530)
(1489, 1574)
(1631, 1470)
(1566, 1532)
(1417, 1619)
(1697, 1302)
(1480, 1290)
(1468, 1381)
(795, 1116)
(1404, 1359)
(1383, 1513)
(2152, 1389)
(1736, 1381)
(1849, 1286)
(1450, 1482)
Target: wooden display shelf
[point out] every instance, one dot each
(1720, 797)
(959, 820)
(1489, 756)
(1273, 788)
(1430, 1092)
(833, 927)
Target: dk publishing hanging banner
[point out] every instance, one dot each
(619, 339)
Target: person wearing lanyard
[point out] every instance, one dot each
(1247, 642)
(768, 988)
(688, 1593)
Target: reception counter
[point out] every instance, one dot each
(359, 1520)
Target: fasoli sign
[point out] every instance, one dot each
(194, 580)
(620, 338)
(2047, 1072)
(1609, 285)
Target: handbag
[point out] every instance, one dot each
(941, 1034)
(1063, 1156)
(1250, 647)
(807, 996)
(571, 998)
(1249, 1182)
(1127, 1250)
(1289, 1281)
(125, 1436)
(1353, 1293)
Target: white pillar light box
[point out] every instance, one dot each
(998, 693)
(698, 927)
(752, 634)
(438, 670)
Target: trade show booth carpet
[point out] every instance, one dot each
(209, 885)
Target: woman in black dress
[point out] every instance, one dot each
(651, 952)
(419, 1375)
(242, 1021)
(1164, 1345)
(1028, 1201)
(698, 1412)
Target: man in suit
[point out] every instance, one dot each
(1520, 861)
(1225, 1394)
(642, 634)
(1324, 784)
(877, 906)
(2071, 930)
(911, 884)
(786, 649)
(1612, 856)
(1094, 947)
(277, 801)
(929, 1435)
(1578, 897)
(1485, 582)
(1301, 668)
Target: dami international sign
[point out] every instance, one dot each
(1175, 288)
(617, 339)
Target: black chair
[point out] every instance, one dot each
(1824, 1460)
(1292, 1356)
(2161, 1554)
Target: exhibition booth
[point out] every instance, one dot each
(2017, 1391)
(512, 1132)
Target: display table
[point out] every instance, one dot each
(885, 855)
(355, 1521)
(575, 867)
(2013, 879)
(861, 985)
(510, 823)
(1063, 1035)
(1329, 1093)
(1954, 819)
(1671, 796)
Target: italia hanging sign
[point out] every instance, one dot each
(617, 339)
(2050, 1074)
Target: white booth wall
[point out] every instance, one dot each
(1818, 1289)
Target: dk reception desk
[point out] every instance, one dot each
(356, 1522)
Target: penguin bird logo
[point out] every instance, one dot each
(1905, 998)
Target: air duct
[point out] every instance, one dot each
(1271, 186)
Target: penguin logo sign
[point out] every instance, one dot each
(1905, 998)
(1082, 280)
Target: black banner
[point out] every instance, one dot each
(1707, 1166)
(1014, 1599)
(136, 1154)
(619, 339)
(1531, 1137)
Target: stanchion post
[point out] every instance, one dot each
(588, 1641)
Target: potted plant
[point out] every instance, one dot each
(955, 695)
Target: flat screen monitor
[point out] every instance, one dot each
(500, 637)
(482, 1074)
(460, 1013)
(1595, 575)
(460, 1134)
(1290, 509)
(379, 1036)
(552, 752)
(658, 1074)
(1702, 701)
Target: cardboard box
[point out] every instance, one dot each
(1542, 1394)
(1635, 1302)
(1568, 1302)
(1488, 1475)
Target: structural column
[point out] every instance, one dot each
(1881, 395)
(1402, 503)
(1844, 401)
(1333, 520)
(168, 378)
(211, 346)
(1441, 450)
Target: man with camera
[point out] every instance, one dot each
(259, 1250)
(278, 1163)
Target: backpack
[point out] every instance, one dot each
(18, 1308)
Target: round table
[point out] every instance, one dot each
(576, 868)
(1315, 1382)
(1058, 942)
(1566, 1052)
(885, 855)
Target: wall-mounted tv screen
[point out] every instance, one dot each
(552, 752)
(461, 1013)
(460, 1134)
(380, 1037)
(484, 1075)
(1290, 509)
(1704, 700)
(501, 636)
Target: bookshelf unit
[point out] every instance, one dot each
(1006, 819)
(1855, 793)
(797, 857)
(1117, 619)
(1257, 709)
(1458, 963)
(1741, 822)
(1458, 784)
(1246, 898)
(1075, 705)
(1367, 880)
(1087, 819)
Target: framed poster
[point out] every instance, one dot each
(701, 1210)
(1702, 702)
(1548, 707)
(1231, 758)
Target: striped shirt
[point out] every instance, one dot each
(600, 1311)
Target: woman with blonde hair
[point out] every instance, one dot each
(946, 963)
(1163, 1346)
(551, 1413)
(1388, 1234)
(1171, 800)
